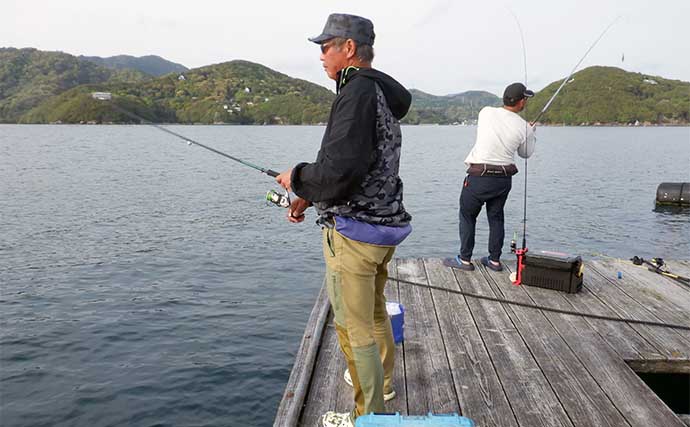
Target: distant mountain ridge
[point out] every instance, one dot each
(150, 64)
(47, 87)
(29, 77)
(455, 108)
(235, 92)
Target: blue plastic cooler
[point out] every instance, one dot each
(430, 420)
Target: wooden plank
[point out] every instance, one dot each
(464, 354)
(679, 267)
(666, 302)
(327, 381)
(669, 343)
(640, 405)
(479, 389)
(660, 366)
(583, 399)
(532, 399)
(675, 296)
(430, 386)
(685, 419)
(399, 404)
(625, 340)
(296, 389)
(675, 266)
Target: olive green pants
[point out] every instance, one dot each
(356, 275)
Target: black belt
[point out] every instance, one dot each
(485, 169)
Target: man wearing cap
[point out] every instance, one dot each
(355, 188)
(501, 132)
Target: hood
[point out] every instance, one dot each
(397, 96)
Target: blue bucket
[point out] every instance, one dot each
(396, 312)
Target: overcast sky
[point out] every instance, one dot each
(438, 46)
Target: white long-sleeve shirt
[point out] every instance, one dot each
(500, 134)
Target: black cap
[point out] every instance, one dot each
(516, 92)
(352, 27)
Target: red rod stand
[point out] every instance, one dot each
(520, 253)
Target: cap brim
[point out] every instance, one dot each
(528, 93)
(320, 38)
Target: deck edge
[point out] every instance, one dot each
(290, 407)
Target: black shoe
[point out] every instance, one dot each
(489, 264)
(458, 264)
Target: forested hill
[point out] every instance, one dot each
(48, 87)
(458, 108)
(608, 95)
(238, 92)
(151, 64)
(29, 77)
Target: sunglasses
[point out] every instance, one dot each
(326, 46)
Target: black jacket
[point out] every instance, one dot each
(348, 145)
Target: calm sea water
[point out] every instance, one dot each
(145, 282)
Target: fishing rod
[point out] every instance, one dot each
(282, 200)
(655, 265)
(516, 277)
(548, 104)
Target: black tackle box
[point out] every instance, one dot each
(553, 270)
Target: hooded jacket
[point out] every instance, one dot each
(356, 170)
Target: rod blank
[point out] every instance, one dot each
(107, 96)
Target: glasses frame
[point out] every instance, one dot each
(327, 45)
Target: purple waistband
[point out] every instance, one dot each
(373, 234)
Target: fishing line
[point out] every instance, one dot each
(543, 308)
(282, 200)
(546, 107)
(524, 62)
(517, 279)
(521, 252)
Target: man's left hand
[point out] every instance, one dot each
(296, 210)
(284, 179)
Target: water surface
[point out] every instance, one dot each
(145, 282)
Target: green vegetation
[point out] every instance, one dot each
(238, 92)
(47, 87)
(608, 95)
(151, 64)
(29, 77)
(459, 108)
(78, 106)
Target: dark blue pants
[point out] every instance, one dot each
(476, 191)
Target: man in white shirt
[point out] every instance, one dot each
(501, 132)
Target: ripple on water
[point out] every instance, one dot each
(145, 284)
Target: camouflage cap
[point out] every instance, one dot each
(352, 27)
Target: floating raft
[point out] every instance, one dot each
(506, 365)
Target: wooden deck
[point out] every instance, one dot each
(505, 365)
